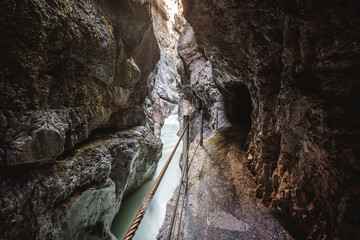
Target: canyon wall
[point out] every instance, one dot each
(74, 136)
(297, 63)
(164, 95)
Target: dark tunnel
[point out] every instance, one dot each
(238, 106)
(238, 109)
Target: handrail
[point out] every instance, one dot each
(177, 201)
(182, 207)
(139, 216)
(184, 194)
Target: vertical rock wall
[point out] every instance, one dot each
(164, 94)
(72, 74)
(298, 61)
(197, 80)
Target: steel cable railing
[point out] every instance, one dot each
(184, 175)
(184, 194)
(139, 216)
(172, 223)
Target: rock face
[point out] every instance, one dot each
(72, 74)
(197, 79)
(67, 69)
(77, 197)
(164, 94)
(296, 63)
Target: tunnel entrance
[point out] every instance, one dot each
(238, 106)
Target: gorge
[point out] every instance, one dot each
(86, 87)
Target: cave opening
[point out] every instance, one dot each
(238, 106)
(238, 109)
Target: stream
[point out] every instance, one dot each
(154, 217)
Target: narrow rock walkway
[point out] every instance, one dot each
(221, 203)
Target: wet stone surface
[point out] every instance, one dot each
(221, 201)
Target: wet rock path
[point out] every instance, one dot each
(221, 201)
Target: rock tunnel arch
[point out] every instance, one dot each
(238, 108)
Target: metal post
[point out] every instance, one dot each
(185, 144)
(217, 120)
(201, 127)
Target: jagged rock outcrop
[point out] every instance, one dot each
(73, 73)
(303, 144)
(197, 79)
(69, 68)
(78, 196)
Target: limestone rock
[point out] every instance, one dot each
(164, 91)
(304, 137)
(72, 74)
(197, 78)
(79, 195)
(68, 68)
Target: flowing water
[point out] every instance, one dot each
(155, 214)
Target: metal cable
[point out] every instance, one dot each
(135, 224)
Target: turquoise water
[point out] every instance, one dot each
(155, 214)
